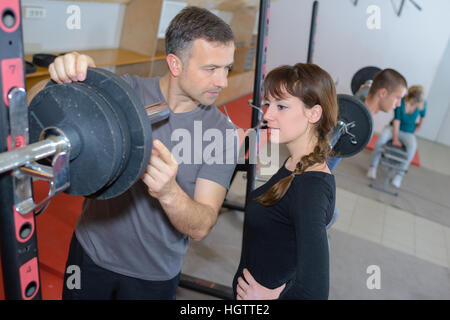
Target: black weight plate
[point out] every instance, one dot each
(124, 135)
(361, 76)
(80, 113)
(139, 128)
(118, 133)
(351, 109)
(29, 67)
(43, 59)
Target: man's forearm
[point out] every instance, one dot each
(395, 130)
(187, 215)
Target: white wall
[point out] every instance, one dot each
(444, 130)
(438, 118)
(168, 11)
(413, 43)
(100, 27)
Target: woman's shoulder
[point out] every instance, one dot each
(314, 179)
(312, 192)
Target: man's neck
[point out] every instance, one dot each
(372, 105)
(178, 102)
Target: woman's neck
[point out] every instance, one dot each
(301, 148)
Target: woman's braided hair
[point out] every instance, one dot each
(313, 86)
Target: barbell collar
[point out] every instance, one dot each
(33, 152)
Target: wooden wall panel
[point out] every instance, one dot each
(140, 26)
(239, 84)
(242, 25)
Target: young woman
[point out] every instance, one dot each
(285, 246)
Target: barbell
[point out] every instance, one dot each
(107, 126)
(98, 137)
(98, 129)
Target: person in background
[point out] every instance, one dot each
(401, 131)
(383, 93)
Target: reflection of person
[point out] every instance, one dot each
(285, 244)
(401, 130)
(383, 93)
(132, 246)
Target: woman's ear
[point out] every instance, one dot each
(315, 113)
(175, 64)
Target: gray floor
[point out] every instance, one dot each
(411, 251)
(402, 276)
(424, 192)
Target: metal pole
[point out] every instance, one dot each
(312, 32)
(260, 70)
(18, 241)
(32, 152)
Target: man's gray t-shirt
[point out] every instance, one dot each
(131, 234)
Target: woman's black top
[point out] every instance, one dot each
(288, 242)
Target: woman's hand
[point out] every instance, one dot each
(249, 289)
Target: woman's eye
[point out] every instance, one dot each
(281, 107)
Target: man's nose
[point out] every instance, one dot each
(221, 79)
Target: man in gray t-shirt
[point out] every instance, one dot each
(133, 246)
(153, 248)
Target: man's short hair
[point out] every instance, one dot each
(389, 79)
(193, 23)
